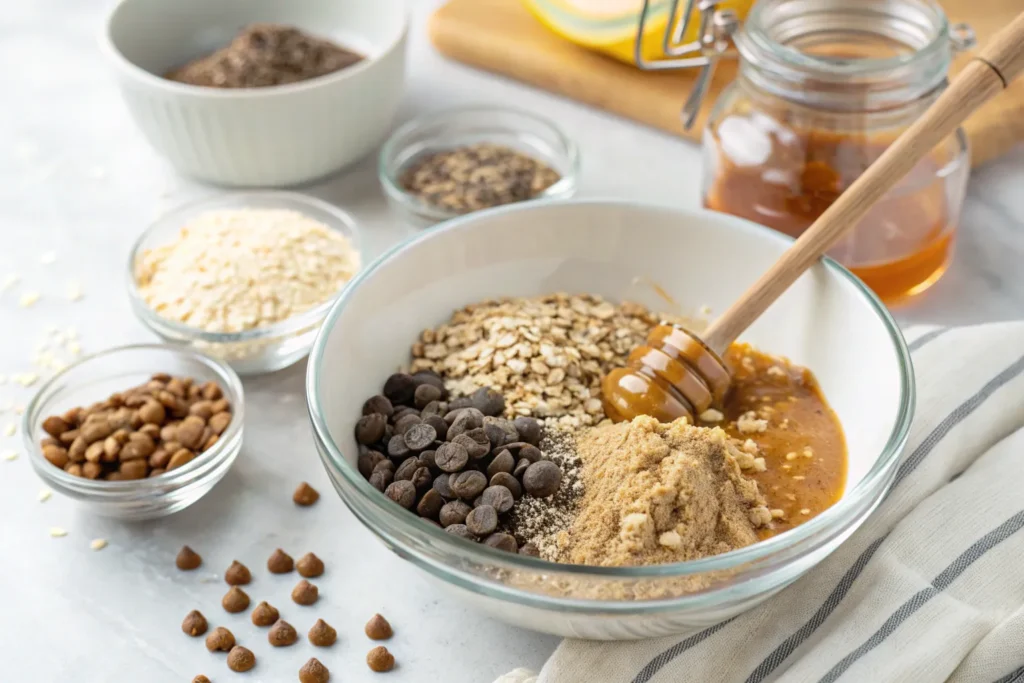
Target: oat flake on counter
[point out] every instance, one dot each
(235, 270)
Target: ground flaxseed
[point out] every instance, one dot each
(476, 177)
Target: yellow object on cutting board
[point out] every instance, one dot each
(609, 26)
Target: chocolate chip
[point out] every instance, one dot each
(453, 512)
(460, 530)
(282, 634)
(378, 628)
(425, 393)
(402, 492)
(220, 639)
(264, 614)
(451, 457)
(475, 417)
(399, 388)
(368, 461)
(235, 600)
(380, 660)
(419, 437)
(507, 481)
(439, 425)
(405, 470)
(430, 504)
(314, 670)
(495, 435)
(502, 541)
(498, 497)
(521, 468)
(280, 562)
(194, 624)
(322, 634)
(310, 566)
(381, 479)
(434, 408)
(402, 412)
(305, 593)
(468, 485)
(378, 404)
(529, 429)
(488, 401)
(531, 453)
(241, 659)
(475, 442)
(237, 574)
(370, 428)
(441, 486)
(460, 402)
(529, 549)
(407, 421)
(482, 520)
(187, 559)
(503, 462)
(541, 479)
(397, 447)
(422, 479)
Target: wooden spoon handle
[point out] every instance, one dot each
(999, 62)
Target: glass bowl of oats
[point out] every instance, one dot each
(458, 161)
(246, 278)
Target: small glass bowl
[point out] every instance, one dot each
(96, 377)
(259, 350)
(520, 130)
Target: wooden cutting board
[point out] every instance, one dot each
(503, 37)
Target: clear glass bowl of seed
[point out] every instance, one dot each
(246, 277)
(455, 162)
(136, 432)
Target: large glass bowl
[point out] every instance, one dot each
(828, 321)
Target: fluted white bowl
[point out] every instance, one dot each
(258, 137)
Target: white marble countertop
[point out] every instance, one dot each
(78, 180)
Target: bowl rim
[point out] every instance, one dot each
(563, 188)
(109, 46)
(873, 482)
(177, 478)
(301, 321)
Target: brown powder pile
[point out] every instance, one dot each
(659, 493)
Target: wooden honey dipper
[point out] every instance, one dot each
(678, 374)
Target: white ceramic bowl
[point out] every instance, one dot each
(828, 321)
(275, 136)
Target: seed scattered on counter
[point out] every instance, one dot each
(241, 659)
(380, 660)
(194, 624)
(310, 566)
(187, 559)
(314, 671)
(11, 429)
(280, 562)
(44, 495)
(75, 292)
(235, 600)
(57, 532)
(242, 269)
(237, 574)
(10, 456)
(476, 177)
(220, 639)
(265, 614)
(142, 432)
(305, 593)
(28, 299)
(98, 544)
(322, 634)
(305, 495)
(200, 679)
(378, 628)
(282, 634)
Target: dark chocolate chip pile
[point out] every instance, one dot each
(457, 463)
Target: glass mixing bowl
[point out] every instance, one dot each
(827, 321)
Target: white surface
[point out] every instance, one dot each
(78, 178)
(602, 247)
(274, 136)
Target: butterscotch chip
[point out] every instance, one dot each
(265, 614)
(237, 574)
(322, 634)
(305, 593)
(305, 495)
(200, 679)
(241, 659)
(194, 624)
(220, 639)
(314, 672)
(280, 562)
(187, 559)
(380, 660)
(235, 600)
(378, 628)
(282, 634)
(310, 566)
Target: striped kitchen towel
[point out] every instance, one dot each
(929, 589)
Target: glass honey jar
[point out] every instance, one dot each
(823, 87)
